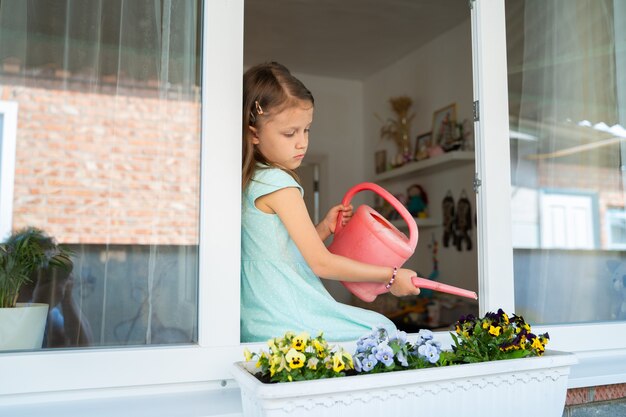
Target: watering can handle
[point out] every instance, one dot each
(404, 213)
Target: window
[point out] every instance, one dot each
(8, 123)
(203, 358)
(565, 103)
(615, 228)
(108, 163)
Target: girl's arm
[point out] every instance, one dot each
(288, 204)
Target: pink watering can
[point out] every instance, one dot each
(370, 238)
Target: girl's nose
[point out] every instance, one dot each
(303, 140)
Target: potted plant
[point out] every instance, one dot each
(482, 375)
(24, 256)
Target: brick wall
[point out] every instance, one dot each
(603, 400)
(99, 167)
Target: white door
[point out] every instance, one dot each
(567, 221)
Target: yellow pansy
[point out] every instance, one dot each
(486, 324)
(295, 359)
(312, 363)
(505, 318)
(494, 330)
(537, 344)
(348, 358)
(319, 347)
(283, 365)
(338, 364)
(272, 346)
(247, 355)
(300, 341)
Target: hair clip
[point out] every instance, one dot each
(259, 110)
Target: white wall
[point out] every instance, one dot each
(336, 135)
(435, 75)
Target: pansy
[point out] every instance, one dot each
(295, 359)
(300, 341)
(369, 363)
(495, 330)
(384, 354)
(338, 363)
(429, 352)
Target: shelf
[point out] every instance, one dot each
(428, 166)
(427, 222)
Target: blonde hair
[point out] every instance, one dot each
(268, 89)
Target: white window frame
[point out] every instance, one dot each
(8, 111)
(610, 215)
(208, 362)
(219, 253)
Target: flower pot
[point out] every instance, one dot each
(22, 327)
(535, 385)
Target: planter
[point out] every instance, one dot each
(22, 327)
(535, 385)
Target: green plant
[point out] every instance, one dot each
(493, 337)
(25, 252)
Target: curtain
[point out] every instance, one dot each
(108, 161)
(566, 141)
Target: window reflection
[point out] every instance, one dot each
(107, 161)
(567, 138)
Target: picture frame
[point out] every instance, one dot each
(380, 158)
(422, 143)
(443, 121)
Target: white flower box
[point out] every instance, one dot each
(529, 386)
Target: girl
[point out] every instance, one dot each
(282, 252)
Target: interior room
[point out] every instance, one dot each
(360, 59)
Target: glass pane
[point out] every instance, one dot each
(567, 103)
(107, 163)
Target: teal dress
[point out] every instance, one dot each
(279, 291)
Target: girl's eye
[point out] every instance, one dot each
(307, 130)
(290, 134)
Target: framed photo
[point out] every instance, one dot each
(444, 121)
(422, 143)
(381, 161)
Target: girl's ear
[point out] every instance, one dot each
(254, 135)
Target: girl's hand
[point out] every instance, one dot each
(330, 221)
(403, 285)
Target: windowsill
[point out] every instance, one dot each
(212, 399)
(598, 368)
(193, 400)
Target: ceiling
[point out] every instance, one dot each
(343, 38)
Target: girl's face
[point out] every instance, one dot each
(283, 138)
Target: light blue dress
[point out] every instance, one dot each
(279, 291)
